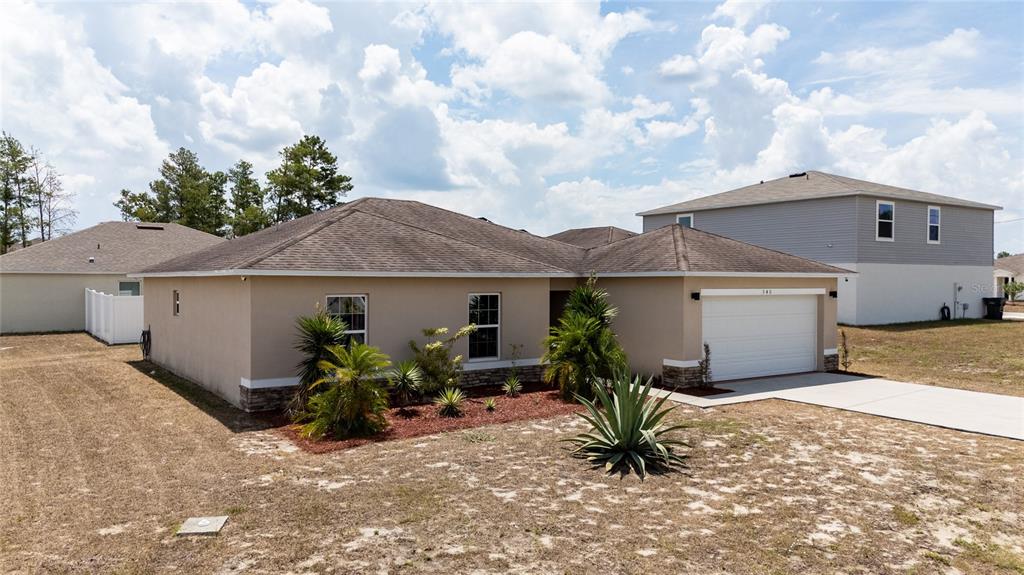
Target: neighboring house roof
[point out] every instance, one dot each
(380, 237)
(592, 237)
(115, 247)
(807, 186)
(1014, 264)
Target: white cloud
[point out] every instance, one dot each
(383, 75)
(741, 12)
(679, 66)
(590, 202)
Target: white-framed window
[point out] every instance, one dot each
(685, 220)
(934, 223)
(176, 298)
(885, 220)
(129, 288)
(485, 313)
(351, 309)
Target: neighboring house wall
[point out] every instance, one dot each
(210, 340)
(896, 293)
(822, 229)
(965, 236)
(49, 302)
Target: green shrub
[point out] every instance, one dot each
(354, 400)
(512, 386)
(844, 351)
(449, 402)
(316, 333)
(440, 368)
(626, 429)
(490, 404)
(704, 367)
(580, 352)
(405, 380)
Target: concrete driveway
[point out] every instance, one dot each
(988, 413)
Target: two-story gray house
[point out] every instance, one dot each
(912, 251)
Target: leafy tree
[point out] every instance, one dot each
(139, 207)
(1013, 289)
(1003, 254)
(247, 211)
(306, 181)
(51, 204)
(14, 198)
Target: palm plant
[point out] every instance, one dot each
(316, 333)
(354, 401)
(626, 429)
(405, 379)
(449, 402)
(579, 353)
(589, 300)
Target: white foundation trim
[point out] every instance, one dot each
(498, 364)
(831, 351)
(268, 383)
(679, 363)
(765, 291)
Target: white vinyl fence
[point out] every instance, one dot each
(113, 318)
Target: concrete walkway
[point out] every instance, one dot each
(987, 413)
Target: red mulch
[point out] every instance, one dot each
(419, 420)
(701, 391)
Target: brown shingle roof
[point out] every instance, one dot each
(813, 185)
(380, 236)
(592, 237)
(1013, 264)
(116, 247)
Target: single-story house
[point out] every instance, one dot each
(914, 251)
(224, 316)
(1008, 269)
(42, 286)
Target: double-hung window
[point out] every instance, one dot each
(685, 220)
(350, 309)
(934, 222)
(885, 220)
(485, 313)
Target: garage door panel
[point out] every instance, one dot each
(752, 336)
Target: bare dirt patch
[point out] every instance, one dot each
(99, 463)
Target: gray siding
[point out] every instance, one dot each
(821, 229)
(965, 235)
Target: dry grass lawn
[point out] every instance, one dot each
(100, 461)
(974, 354)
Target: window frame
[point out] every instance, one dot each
(176, 302)
(878, 221)
(497, 326)
(681, 216)
(119, 290)
(929, 224)
(366, 314)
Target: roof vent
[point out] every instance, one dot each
(148, 227)
(800, 175)
(483, 218)
(92, 260)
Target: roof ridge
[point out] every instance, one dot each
(685, 253)
(836, 179)
(344, 210)
(461, 241)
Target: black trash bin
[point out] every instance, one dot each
(993, 307)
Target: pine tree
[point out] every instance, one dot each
(306, 181)
(14, 198)
(247, 211)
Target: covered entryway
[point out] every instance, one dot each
(755, 333)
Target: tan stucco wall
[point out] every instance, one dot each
(397, 309)
(209, 342)
(48, 302)
(692, 341)
(650, 320)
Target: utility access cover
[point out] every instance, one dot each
(202, 525)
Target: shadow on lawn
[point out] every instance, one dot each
(228, 415)
(922, 325)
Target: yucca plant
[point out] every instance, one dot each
(490, 404)
(405, 379)
(627, 430)
(512, 386)
(316, 333)
(449, 402)
(354, 400)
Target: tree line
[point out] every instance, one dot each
(233, 204)
(33, 202)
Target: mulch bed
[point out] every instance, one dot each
(701, 391)
(419, 420)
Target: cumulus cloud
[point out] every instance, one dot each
(741, 12)
(679, 66)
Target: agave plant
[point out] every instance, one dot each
(490, 404)
(512, 386)
(627, 430)
(449, 402)
(406, 378)
(354, 401)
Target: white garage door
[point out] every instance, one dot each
(753, 336)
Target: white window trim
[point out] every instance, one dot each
(469, 298)
(176, 302)
(690, 215)
(878, 203)
(928, 225)
(366, 313)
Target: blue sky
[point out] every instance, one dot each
(542, 116)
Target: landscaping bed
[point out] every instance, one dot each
(536, 402)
